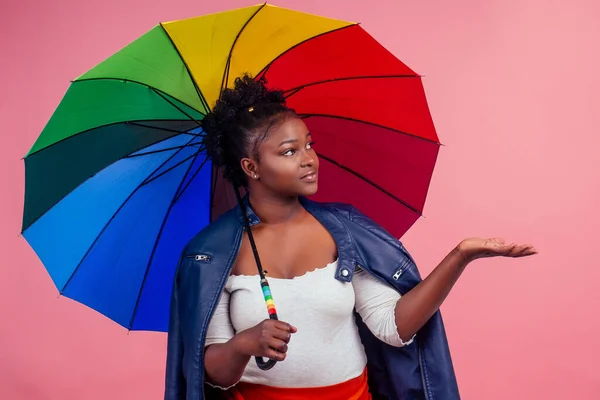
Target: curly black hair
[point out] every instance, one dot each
(240, 120)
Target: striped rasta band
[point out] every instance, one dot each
(266, 289)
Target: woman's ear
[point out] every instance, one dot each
(250, 168)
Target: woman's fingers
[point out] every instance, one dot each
(511, 250)
(278, 345)
(520, 251)
(275, 355)
(525, 251)
(282, 330)
(281, 335)
(284, 326)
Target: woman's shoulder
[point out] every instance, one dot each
(345, 210)
(354, 219)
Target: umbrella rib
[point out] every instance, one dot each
(106, 126)
(164, 129)
(111, 219)
(137, 83)
(309, 115)
(137, 154)
(370, 182)
(214, 176)
(158, 237)
(187, 69)
(178, 108)
(192, 178)
(171, 168)
(266, 68)
(296, 89)
(225, 78)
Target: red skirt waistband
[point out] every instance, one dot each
(353, 389)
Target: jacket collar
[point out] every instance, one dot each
(252, 217)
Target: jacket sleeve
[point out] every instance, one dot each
(175, 385)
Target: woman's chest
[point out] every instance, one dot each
(287, 252)
(315, 300)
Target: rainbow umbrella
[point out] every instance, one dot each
(118, 180)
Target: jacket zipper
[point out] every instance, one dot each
(200, 257)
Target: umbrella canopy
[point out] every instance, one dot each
(118, 180)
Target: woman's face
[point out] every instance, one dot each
(287, 163)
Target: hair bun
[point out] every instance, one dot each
(239, 109)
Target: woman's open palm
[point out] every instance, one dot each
(474, 248)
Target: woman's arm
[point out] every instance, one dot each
(375, 302)
(395, 319)
(415, 308)
(225, 363)
(226, 353)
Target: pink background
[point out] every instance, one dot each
(513, 87)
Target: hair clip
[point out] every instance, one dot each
(250, 109)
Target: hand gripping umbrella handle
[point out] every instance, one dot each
(260, 361)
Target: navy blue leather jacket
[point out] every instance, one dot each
(421, 370)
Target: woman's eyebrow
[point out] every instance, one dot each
(292, 140)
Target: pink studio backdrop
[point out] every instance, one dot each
(513, 88)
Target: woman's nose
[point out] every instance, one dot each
(308, 159)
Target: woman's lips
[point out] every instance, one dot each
(310, 177)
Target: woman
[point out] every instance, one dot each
(336, 277)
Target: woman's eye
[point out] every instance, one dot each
(310, 145)
(289, 152)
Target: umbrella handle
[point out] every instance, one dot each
(265, 365)
(260, 361)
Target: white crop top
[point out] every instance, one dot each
(327, 349)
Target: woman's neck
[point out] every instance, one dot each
(275, 209)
